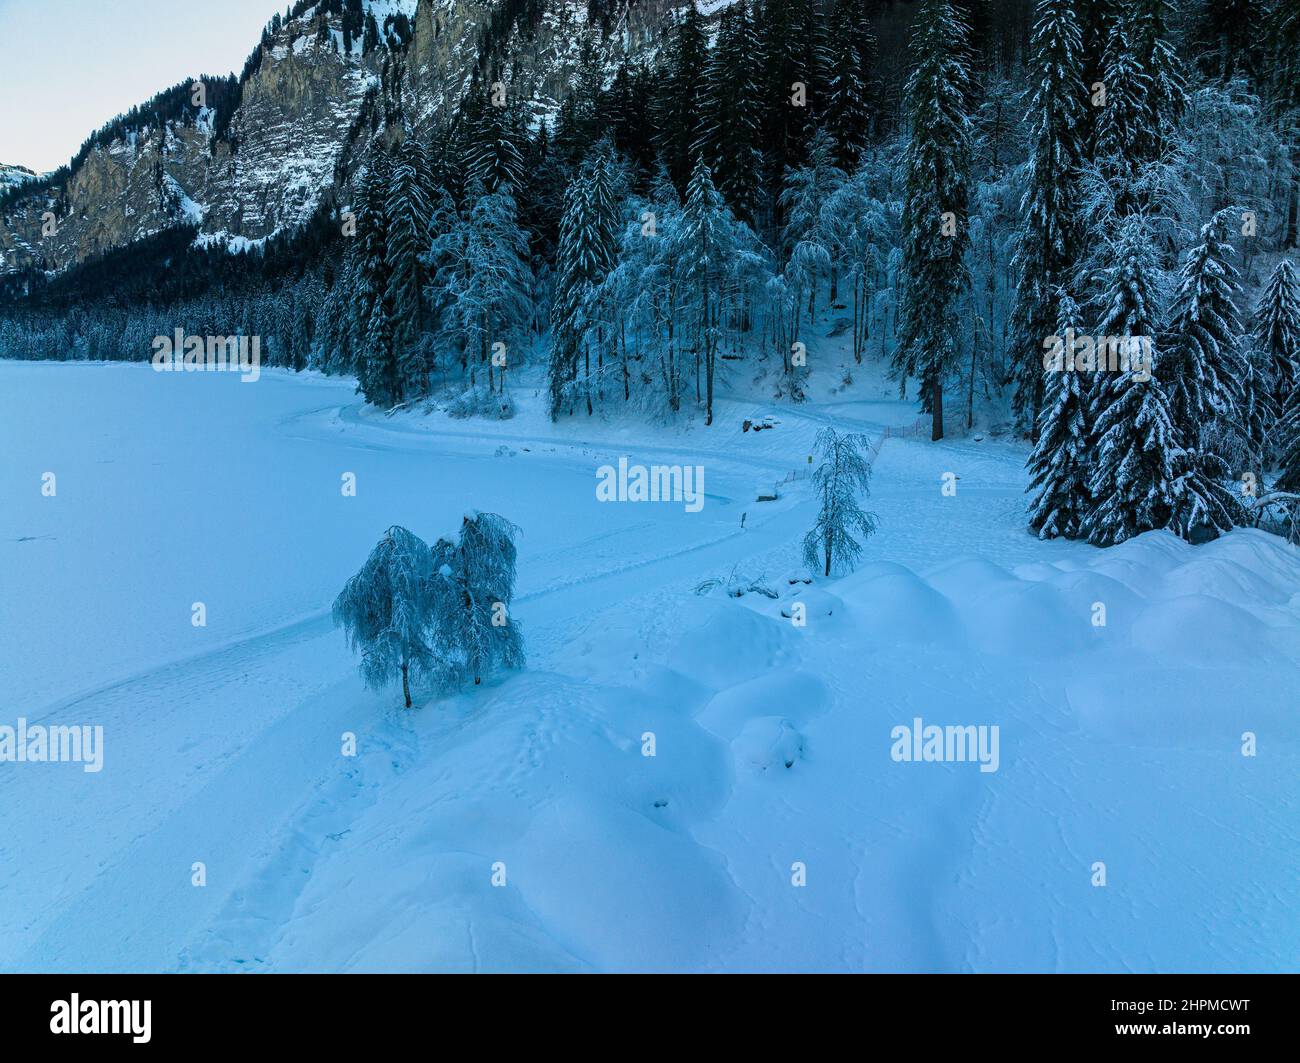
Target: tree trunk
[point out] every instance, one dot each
(709, 356)
(406, 683)
(1036, 405)
(970, 391)
(586, 374)
(936, 406)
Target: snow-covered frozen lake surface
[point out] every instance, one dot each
(1119, 745)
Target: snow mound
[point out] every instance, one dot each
(968, 575)
(799, 696)
(817, 604)
(896, 605)
(730, 645)
(1019, 619)
(767, 743)
(1199, 628)
(1187, 709)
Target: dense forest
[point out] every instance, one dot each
(975, 187)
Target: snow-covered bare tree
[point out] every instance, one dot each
(483, 283)
(386, 608)
(472, 632)
(804, 238)
(843, 473)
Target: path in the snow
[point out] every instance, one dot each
(188, 739)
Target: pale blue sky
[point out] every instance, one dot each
(68, 66)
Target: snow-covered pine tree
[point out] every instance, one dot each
(1283, 91)
(805, 241)
(1257, 414)
(1286, 444)
(935, 233)
(1058, 466)
(1145, 474)
(1125, 141)
(1277, 332)
(785, 127)
(408, 210)
(704, 248)
(473, 634)
(843, 473)
(494, 149)
(1167, 100)
(1047, 251)
(679, 105)
(732, 119)
(1095, 20)
(586, 252)
(1201, 367)
(814, 64)
(378, 373)
(493, 303)
(1135, 446)
(1145, 100)
(848, 109)
(386, 608)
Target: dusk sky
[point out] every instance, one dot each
(71, 65)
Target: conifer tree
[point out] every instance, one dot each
(1167, 100)
(732, 119)
(848, 110)
(1058, 466)
(1134, 443)
(679, 107)
(1277, 332)
(379, 375)
(705, 249)
(1286, 442)
(1200, 365)
(1048, 248)
(586, 252)
(935, 232)
(409, 211)
(493, 152)
(1146, 474)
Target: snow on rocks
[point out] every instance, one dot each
(810, 603)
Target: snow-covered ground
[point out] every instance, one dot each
(1119, 744)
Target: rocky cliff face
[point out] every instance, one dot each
(539, 59)
(293, 138)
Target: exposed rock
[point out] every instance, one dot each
(299, 131)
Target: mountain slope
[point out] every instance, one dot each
(13, 176)
(260, 156)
